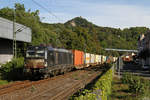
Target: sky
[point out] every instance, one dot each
(106, 13)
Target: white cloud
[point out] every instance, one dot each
(108, 15)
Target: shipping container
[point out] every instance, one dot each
(92, 60)
(105, 58)
(100, 57)
(109, 59)
(87, 59)
(78, 58)
(97, 59)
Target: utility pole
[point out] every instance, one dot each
(14, 35)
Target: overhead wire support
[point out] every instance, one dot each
(46, 10)
(14, 35)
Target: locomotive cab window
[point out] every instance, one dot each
(30, 54)
(35, 53)
(40, 54)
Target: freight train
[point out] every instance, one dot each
(45, 61)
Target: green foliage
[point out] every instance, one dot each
(126, 77)
(104, 84)
(136, 83)
(101, 90)
(12, 70)
(2, 82)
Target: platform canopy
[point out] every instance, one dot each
(23, 33)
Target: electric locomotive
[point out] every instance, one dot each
(43, 61)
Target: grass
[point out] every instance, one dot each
(121, 91)
(3, 82)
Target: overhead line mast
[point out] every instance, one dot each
(14, 35)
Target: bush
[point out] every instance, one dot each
(12, 70)
(126, 77)
(136, 83)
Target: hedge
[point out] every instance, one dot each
(101, 89)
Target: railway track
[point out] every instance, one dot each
(71, 90)
(63, 90)
(55, 88)
(11, 87)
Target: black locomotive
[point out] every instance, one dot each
(44, 61)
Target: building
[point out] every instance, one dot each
(147, 49)
(144, 49)
(23, 34)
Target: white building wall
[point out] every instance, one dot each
(4, 58)
(6, 31)
(6, 37)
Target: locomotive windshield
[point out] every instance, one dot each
(35, 52)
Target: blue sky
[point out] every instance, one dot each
(107, 13)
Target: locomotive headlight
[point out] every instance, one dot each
(45, 64)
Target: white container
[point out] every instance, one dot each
(92, 60)
(96, 58)
(99, 59)
(86, 58)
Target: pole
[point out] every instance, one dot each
(14, 35)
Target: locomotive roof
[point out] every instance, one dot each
(58, 49)
(49, 48)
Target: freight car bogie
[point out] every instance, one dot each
(56, 70)
(32, 73)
